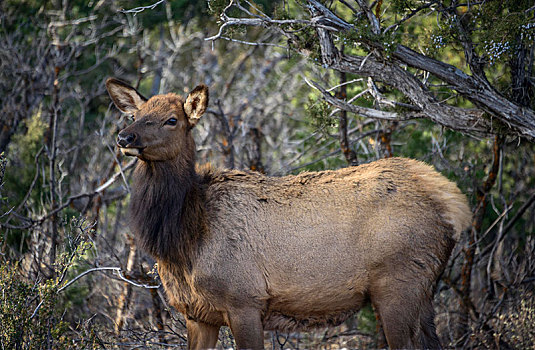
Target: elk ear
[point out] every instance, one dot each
(196, 103)
(126, 98)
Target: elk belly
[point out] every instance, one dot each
(285, 316)
(276, 320)
(318, 290)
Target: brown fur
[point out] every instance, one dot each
(296, 252)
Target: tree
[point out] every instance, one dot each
(383, 44)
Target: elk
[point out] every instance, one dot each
(288, 253)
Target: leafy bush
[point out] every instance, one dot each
(32, 312)
(28, 317)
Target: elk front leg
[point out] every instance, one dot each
(246, 326)
(201, 335)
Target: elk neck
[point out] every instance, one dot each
(166, 210)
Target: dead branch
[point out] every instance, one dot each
(139, 9)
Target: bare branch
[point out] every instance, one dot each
(521, 119)
(343, 84)
(366, 112)
(251, 43)
(139, 9)
(117, 270)
(374, 21)
(518, 214)
(410, 15)
(374, 91)
(97, 191)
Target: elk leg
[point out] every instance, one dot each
(408, 321)
(201, 335)
(427, 336)
(246, 326)
(398, 306)
(398, 325)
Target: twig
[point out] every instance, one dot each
(374, 21)
(344, 83)
(139, 9)
(318, 22)
(338, 150)
(364, 111)
(410, 15)
(98, 190)
(350, 155)
(251, 43)
(356, 97)
(350, 7)
(227, 133)
(121, 171)
(74, 22)
(467, 306)
(374, 91)
(518, 214)
(118, 270)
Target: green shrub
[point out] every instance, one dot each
(33, 312)
(28, 317)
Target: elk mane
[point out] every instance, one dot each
(166, 210)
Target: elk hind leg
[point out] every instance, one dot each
(398, 304)
(427, 337)
(408, 322)
(398, 327)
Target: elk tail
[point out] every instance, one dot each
(457, 211)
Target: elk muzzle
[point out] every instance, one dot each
(126, 142)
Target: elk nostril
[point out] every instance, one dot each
(125, 140)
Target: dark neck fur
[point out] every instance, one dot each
(166, 211)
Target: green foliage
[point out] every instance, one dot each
(32, 311)
(30, 316)
(307, 42)
(22, 157)
(318, 115)
(417, 142)
(363, 33)
(497, 29)
(502, 26)
(215, 7)
(402, 7)
(22, 325)
(22, 152)
(366, 320)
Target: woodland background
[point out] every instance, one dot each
(295, 85)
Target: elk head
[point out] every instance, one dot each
(162, 124)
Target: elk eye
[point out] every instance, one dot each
(171, 121)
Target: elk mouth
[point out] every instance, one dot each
(131, 151)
